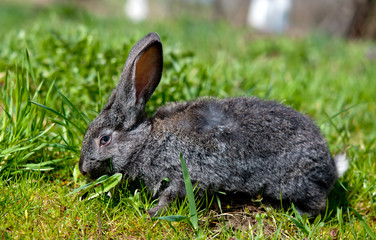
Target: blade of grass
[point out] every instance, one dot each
(190, 194)
(82, 131)
(107, 185)
(364, 223)
(72, 106)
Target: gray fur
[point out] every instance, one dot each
(244, 145)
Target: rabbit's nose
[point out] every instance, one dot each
(81, 166)
(85, 173)
(82, 170)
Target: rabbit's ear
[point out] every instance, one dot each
(141, 74)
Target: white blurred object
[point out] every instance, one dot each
(136, 10)
(269, 15)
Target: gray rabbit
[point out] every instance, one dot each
(243, 145)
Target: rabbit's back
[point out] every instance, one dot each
(264, 128)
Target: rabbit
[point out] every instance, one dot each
(235, 145)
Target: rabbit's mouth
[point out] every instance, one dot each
(96, 169)
(107, 167)
(110, 167)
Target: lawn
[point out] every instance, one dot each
(58, 65)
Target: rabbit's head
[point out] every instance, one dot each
(115, 136)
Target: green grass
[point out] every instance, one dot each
(58, 66)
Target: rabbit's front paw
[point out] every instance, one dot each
(156, 211)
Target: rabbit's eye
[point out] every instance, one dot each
(105, 140)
